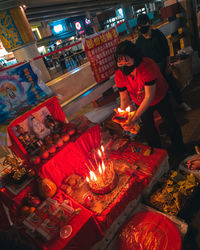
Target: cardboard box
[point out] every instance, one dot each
(182, 71)
(170, 11)
(169, 2)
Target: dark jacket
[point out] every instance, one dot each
(156, 47)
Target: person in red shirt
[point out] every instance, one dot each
(139, 78)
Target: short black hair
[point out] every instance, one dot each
(142, 19)
(127, 48)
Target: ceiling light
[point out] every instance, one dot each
(24, 7)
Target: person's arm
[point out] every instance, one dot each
(124, 99)
(149, 95)
(165, 50)
(167, 67)
(194, 162)
(121, 82)
(164, 43)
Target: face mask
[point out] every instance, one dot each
(126, 70)
(144, 29)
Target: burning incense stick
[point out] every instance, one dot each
(88, 167)
(95, 158)
(91, 164)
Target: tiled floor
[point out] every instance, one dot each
(190, 121)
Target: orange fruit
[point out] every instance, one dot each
(31, 210)
(25, 210)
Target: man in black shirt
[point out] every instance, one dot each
(153, 44)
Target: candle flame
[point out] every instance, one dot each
(87, 179)
(100, 170)
(128, 109)
(93, 176)
(99, 153)
(120, 110)
(102, 148)
(103, 166)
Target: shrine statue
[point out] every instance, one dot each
(28, 140)
(38, 127)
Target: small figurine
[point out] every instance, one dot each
(52, 124)
(49, 122)
(38, 128)
(29, 141)
(23, 136)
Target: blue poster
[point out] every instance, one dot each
(19, 91)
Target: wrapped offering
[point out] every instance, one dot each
(175, 190)
(123, 117)
(60, 217)
(41, 213)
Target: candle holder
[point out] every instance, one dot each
(105, 182)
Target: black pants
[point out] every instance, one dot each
(173, 88)
(149, 129)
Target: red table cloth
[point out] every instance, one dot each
(71, 160)
(85, 230)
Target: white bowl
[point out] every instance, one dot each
(65, 231)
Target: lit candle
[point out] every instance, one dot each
(87, 179)
(99, 153)
(128, 109)
(120, 110)
(103, 166)
(100, 170)
(101, 173)
(91, 176)
(94, 176)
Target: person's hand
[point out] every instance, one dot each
(127, 126)
(194, 163)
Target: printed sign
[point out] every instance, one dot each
(100, 49)
(20, 89)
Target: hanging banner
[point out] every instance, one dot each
(100, 49)
(20, 90)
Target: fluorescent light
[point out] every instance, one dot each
(38, 32)
(58, 28)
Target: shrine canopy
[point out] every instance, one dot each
(49, 107)
(21, 89)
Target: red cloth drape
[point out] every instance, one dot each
(72, 157)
